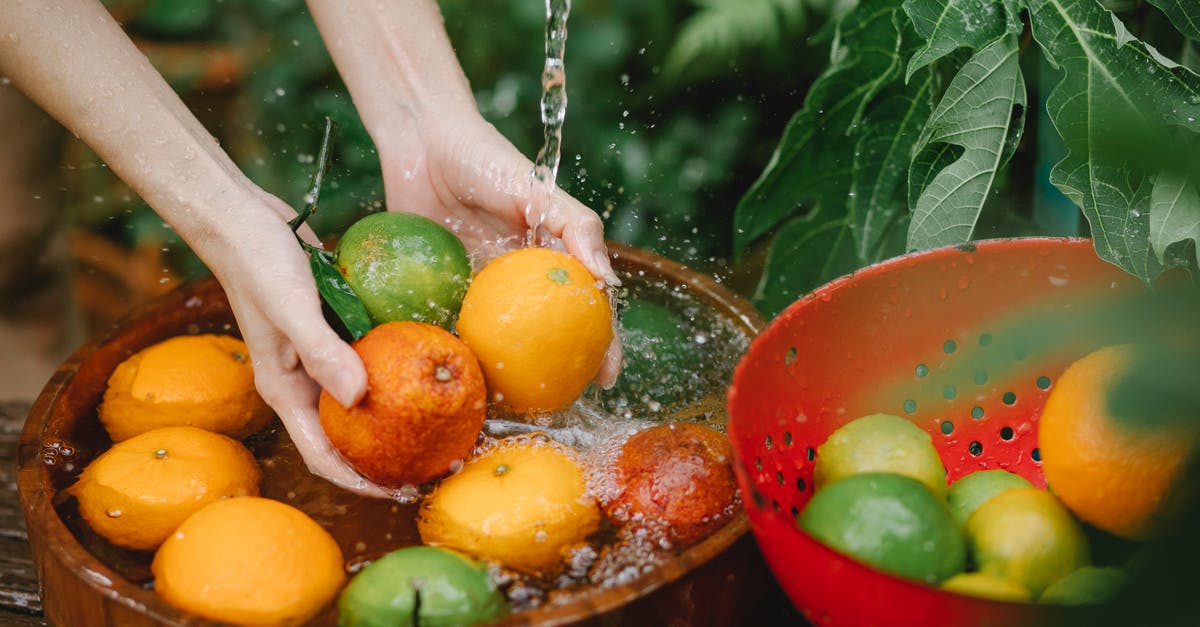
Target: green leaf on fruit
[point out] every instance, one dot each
(336, 293)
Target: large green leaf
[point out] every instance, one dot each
(1174, 213)
(1184, 14)
(813, 159)
(948, 25)
(878, 206)
(1111, 82)
(982, 112)
(805, 252)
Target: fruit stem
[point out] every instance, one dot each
(314, 191)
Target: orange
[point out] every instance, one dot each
(539, 324)
(249, 561)
(202, 381)
(140, 490)
(522, 504)
(678, 475)
(423, 410)
(1117, 476)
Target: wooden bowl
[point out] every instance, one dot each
(84, 581)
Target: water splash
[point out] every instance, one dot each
(554, 112)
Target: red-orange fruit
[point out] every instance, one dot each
(678, 475)
(424, 407)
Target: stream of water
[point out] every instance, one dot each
(554, 112)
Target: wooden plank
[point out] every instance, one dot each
(20, 604)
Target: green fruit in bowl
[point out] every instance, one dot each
(1085, 586)
(1026, 535)
(890, 521)
(420, 585)
(968, 493)
(404, 267)
(880, 443)
(660, 358)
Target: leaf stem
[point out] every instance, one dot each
(314, 191)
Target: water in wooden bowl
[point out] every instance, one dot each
(88, 581)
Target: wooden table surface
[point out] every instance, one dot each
(19, 601)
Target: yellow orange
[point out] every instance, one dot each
(202, 381)
(520, 504)
(1119, 476)
(539, 324)
(137, 493)
(249, 561)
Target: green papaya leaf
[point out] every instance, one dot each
(337, 293)
(813, 159)
(805, 252)
(948, 25)
(981, 111)
(1111, 83)
(1184, 14)
(1174, 213)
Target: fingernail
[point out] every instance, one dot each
(605, 267)
(348, 389)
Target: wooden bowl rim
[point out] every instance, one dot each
(36, 490)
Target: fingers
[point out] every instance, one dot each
(610, 367)
(295, 401)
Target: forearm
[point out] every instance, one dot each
(74, 60)
(396, 61)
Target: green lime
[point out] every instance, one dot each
(1085, 586)
(987, 586)
(420, 585)
(890, 521)
(971, 491)
(404, 267)
(880, 443)
(1026, 535)
(660, 358)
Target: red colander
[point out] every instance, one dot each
(965, 342)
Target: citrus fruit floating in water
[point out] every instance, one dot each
(420, 585)
(540, 326)
(1086, 586)
(659, 358)
(890, 521)
(203, 381)
(423, 410)
(1026, 535)
(1119, 476)
(880, 443)
(404, 267)
(969, 492)
(137, 492)
(988, 587)
(250, 561)
(677, 476)
(521, 504)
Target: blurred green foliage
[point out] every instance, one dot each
(674, 107)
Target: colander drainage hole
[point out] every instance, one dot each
(768, 442)
(947, 427)
(975, 448)
(800, 485)
(758, 464)
(949, 392)
(1043, 382)
(1036, 455)
(910, 406)
(977, 412)
(922, 371)
(775, 505)
(789, 356)
(811, 453)
(779, 478)
(1009, 398)
(985, 339)
(949, 346)
(1006, 434)
(795, 511)
(787, 438)
(981, 377)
